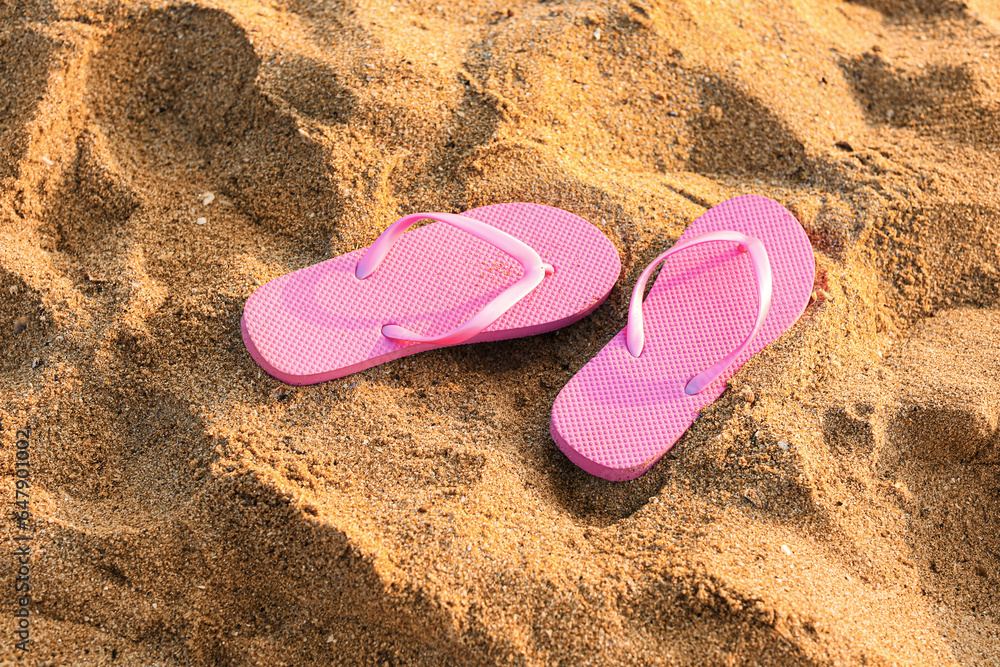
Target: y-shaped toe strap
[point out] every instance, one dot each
(635, 337)
(534, 271)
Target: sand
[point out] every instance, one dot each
(839, 504)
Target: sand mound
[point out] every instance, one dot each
(159, 161)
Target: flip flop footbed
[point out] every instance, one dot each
(322, 322)
(620, 413)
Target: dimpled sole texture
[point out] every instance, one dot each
(620, 414)
(322, 322)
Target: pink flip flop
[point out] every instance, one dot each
(492, 273)
(735, 281)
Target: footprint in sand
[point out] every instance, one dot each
(941, 453)
(23, 55)
(903, 8)
(175, 93)
(937, 96)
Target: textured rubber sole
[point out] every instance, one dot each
(322, 322)
(620, 414)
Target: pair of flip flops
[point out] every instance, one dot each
(735, 281)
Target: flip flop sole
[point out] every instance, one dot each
(620, 414)
(322, 322)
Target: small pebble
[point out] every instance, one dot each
(13, 289)
(201, 221)
(844, 146)
(48, 161)
(783, 445)
(207, 198)
(597, 34)
(754, 497)
(36, 362)
(786, 550)
(20, 324)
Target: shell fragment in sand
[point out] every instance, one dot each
(201, 221)
(207, 198)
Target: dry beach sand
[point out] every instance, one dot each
(839, 504)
